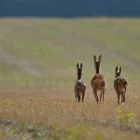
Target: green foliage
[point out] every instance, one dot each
(124, 117)
(78, 132)
(98, 136)
(53, 132)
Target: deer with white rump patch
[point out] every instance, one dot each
(80, 86)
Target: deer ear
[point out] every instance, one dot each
(116, 69)
(120, 69)
(81, 65)
(94, 58)
(100, 58)
(77, 66)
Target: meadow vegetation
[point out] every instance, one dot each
(38, 70)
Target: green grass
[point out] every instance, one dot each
(45, 51)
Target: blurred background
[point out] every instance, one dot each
(42, 40)
(69, 8)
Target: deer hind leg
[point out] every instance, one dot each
(101, 95)
(118, 95)
(83, 95)
(79, 97)
(76, 96)
(96, 96)
(123, 97)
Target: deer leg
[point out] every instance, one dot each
(83, 94)
(96, 96)
(101, 94)
(79, 97)
(118, 95)
(76, 99)
(123, 97)
(103, 97)
(76, 96)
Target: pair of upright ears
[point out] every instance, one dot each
(79, 65)
(95, 58)
(118, 69)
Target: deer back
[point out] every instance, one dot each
(119, 83)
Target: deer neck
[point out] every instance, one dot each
(118, 77)
(97, 67)
(79, 78)
(79, 74)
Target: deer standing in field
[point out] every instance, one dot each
(120, 85)
(80, 86)
(97, 82)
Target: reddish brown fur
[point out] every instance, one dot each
(97, 82)
(120, 86)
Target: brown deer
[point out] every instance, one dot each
(97, 82)
(80, 86)
(120, 85)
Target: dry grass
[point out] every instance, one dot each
(59, 110)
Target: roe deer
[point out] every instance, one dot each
(80, 86)
(120, 85)
(97, 82)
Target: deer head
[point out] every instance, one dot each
(118, 71)
(79, 70)
(97, 62)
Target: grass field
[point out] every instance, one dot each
(37, 75)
